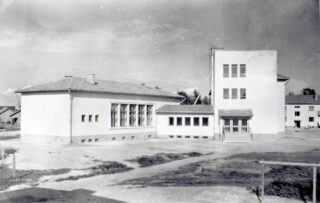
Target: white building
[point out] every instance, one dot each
(185, 121)
(249, 95)
(302, 111)
(88, 110)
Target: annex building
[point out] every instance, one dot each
(83, 110)
(302, 111)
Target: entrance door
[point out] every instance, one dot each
(235, 125)
(297, 124)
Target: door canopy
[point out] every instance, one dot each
(236, 113)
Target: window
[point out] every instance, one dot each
(243, 93)
(297, 113)
(234, 93)
(205, 121)
(227, 125)
(242, 70)
(225, 93)
(311, 119)
(179, 121)
(96, 118)
(297, 107)
(318, 113)
(83, 118)
(132, 114)
(171, 121)
(123, 115)
(196, 121)
(311, 108)
(90, 118)
(234, 70)
(149, 115)
(244, 125)
(235, 125)
(141, 115)
(114, 115)
(187, 121)
(225, 70)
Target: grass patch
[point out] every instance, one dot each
(24, 176)
(244, 170)
(160, 158)
(108, 167)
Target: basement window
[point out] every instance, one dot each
(196, 121)
(179, 121)
(83, 118)
(187, 121)
(171, 121)
(97, 118)
(205, 121)
(90, 118)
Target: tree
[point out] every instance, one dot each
(308, 91)
(191, 99)
(187, 99)
(196, 97)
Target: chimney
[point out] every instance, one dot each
(91, 79)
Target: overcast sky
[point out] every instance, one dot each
(158, 42)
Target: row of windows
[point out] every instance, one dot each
(297, 113)
(131, 115)
(234, 93)
(187, 121)
(234, 70)
(90, 118)
(311, 108)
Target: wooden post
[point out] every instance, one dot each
(314, 199)
(262, 183)
(14, 165)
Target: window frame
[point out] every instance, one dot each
(189, 121)
(234, 90)
(206, 124)
(96, 118)
(245, 93)
(83, 118)
(226, 70)
(196, 123)
(171, 119)
(243, 67)
(234, 70)
(311, 119)
(311, 108)
(179, 121)
(226, 93)
(297, 113)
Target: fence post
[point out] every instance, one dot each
(262, 183)
(14, 165)
(314, 194)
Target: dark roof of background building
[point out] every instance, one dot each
(302, 99)
(282, 77)
(100, 86)
(185, 109)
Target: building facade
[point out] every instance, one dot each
(302, 111)
(249, 95)
(185, 122)
(83, 110)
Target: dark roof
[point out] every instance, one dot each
(236, 113)
(101, 86)
(185, 109)
(282, 77)
(7, 108)
(302, 99)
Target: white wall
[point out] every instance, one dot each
(261, 88)
(281, 106)
(44, 114)
(304, 115)
(95, 104)
(164, 129)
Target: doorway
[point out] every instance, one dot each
(297, 124)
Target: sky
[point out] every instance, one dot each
(161, 43)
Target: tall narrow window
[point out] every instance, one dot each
(149, 115)
(114, 115)
(83, 118)
(234, 70)
(171, 121)
(90, 118)
(123, 115)
(96, 118)
(225, 70)
(243, 70)
(179, 121)
(205, 121)
(187, 121)
(196, 121)
(225, 93)
(234, 93)
(141, 115)
(243, 93)
(132, 115)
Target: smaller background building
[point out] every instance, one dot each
(185, 121)
(302, 111)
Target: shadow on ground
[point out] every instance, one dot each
(48, 195)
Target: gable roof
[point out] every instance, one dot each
(282, 77)
(302, 99)
(185, 109)
(100, 86)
